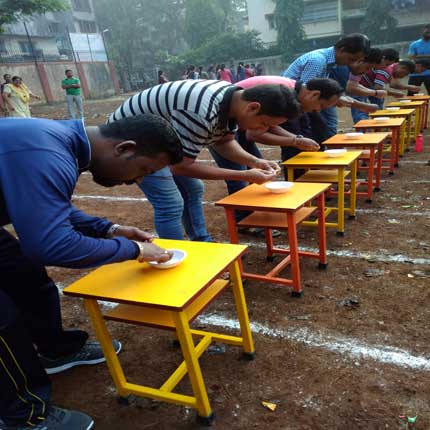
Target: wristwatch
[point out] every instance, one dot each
(111, 232)
(141, 251)
(297, 136)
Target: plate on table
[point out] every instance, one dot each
(405, 101)
(178, 257)
(278, 187)
(355, 135)
(332, 153)
(393, 108)
(419, 94)
(381, 119)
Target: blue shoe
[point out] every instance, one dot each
(90, 353)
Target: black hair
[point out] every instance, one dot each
(6, 74)
(391, 54)
(160, 72)
(353, 43)
(374, 56)
(153, 135)
(275, 100)
(14, 78)
(423, 62)
(327, 87)
(68, 70)
(409, 64)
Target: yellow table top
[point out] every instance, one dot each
(416, 103)
(385, 112)
(257, 197)
(371, 123)
(140, 284)
(366, 139)
(319, 159)
(425, 97)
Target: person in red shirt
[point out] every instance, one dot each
(225, 74)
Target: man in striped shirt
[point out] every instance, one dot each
(205, 113)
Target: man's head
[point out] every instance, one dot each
(318, 94)
(391, 56)
(69, 73)
(403, 68)
(426, 33)
(7, 78)
(17, 80)
(351, 48)
(125, 151)
(372, 60)
(422, 65)
(264, 106)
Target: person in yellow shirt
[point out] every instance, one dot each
(17, 97)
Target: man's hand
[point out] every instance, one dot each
(414, 88)
(345, 101)
(259, 176)
(380, 94)
(152, 252)
(369, 107)
(133, 233)
(266, 165)
(306, 144)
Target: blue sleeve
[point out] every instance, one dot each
(89, 225)
(37, 188)
(413, 49)
(314, 68)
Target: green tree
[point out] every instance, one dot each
(15, 10)
(378, 23)
(288, 15)
(204, 20)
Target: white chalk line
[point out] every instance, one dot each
(350, 347)
(109, 198)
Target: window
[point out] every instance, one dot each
(81, 5)
(87, 26)
(25, 47)
(317, 12)
(270, 18)
(54, 27)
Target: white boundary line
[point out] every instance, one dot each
(350, 347)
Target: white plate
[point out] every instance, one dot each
(393, 108)
(278, 187)
(405, 101)
(381, 119)
(178, 257)
(419, 94)
(335, 152)
(355, 135)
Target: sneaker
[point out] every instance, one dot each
(90, 353)
(58, 419)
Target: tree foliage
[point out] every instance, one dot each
(15, 10)
(378, 22)
(291, 35)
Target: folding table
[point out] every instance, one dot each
(397, 127)
(169, 300)
(279, 211)
(371, 142)
(335, 171)
(406, 134)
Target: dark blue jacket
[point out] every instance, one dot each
(40, 161)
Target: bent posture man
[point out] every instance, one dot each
(40, 162)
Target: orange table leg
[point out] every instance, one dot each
(269, 244)
(294, 255)
(322, 238)
(379, 167)
(370, 174)
(398, 137)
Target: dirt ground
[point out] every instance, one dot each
(354, 352)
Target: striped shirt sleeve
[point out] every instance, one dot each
(382, 77)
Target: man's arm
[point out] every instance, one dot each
(357, 89)
(398, 85)
(194, 169)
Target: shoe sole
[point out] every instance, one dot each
(91, 425)
(67, 366)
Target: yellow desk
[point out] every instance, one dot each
(169, 300)
(373, 142)
(419, 105)
(279, 211)
(425, 98)
(406, 133)
(319, 160)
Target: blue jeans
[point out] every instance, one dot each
(376, 101)
(330, 118)
(233, 186)
(176, 200)
(357, 114)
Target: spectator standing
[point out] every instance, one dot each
(259, 70)
(249, 72)
(421, 75)
(240, 72)
(202, 74)
(7, 80)
(421, 47)
(225, 74)
(17, 97)
(192, 73)
(162, 78)
(72, 86)
(212, 72)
